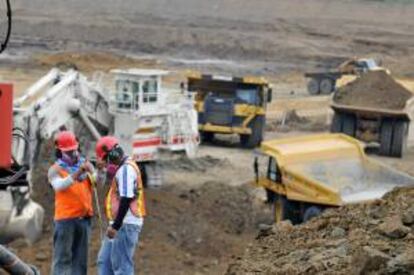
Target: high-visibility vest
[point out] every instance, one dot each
(137, 205)
(74, 201)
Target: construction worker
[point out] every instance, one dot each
(125, 209)
(73, 207)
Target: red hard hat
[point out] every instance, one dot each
(66, 141)
(105, 145)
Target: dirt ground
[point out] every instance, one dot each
(206, 217)
(196, 221)
(372, 238)
(239, 35)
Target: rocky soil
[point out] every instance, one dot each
(372, 238)
(375, 89)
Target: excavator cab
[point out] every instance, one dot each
(137, 88)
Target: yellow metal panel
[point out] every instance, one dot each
(193, 74)
(246, 110)
(255, 80)
(308, 148)
(264, 182)
(224, 129)
(301, 188)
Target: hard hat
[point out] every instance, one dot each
(104, 146)
(66, 141)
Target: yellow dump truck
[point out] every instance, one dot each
(231, 105)
(303, 176)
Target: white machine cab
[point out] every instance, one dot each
(149, 117)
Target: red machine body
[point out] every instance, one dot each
(6, 124)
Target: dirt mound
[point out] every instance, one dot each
(200, 164)
(292, 121)
(375, 89)
(372, 238)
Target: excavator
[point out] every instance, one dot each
(144, 115)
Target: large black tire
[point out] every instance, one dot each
(399, 138)
(206, 136)
(336, 124)
(313, 86)
(326, 86)
(386, 134)
(253, 140)
(349, 125)
(311, 212)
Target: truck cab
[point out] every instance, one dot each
(231, 105)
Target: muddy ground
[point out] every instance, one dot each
(205, 216)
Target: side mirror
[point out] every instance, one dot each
(256, 169)
(269, 95)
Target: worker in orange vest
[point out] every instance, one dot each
(125, 209)
(73, 207)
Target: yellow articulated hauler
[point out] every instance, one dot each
(303, 176)
(231, 105)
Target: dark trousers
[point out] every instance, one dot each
(70, 246)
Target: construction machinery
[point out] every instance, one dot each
(231, 105)
(378, 112)
(20, 216)
(303, 176)
(326, 82)
(145, 117)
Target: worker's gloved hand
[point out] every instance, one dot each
(87, 167)
(111, 232)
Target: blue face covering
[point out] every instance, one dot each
(72, 168)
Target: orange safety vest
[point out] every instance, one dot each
(137, 205)
(74, 201)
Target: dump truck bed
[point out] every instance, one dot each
(406, 112)
(331, 169)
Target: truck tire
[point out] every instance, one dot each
(206, 136)
(326, 86)
(336, 124)
(399, 138)
(311, 212)
(313, 86)
(386, 134)
(253, 140)
(349, 125)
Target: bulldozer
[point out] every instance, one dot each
(231, 105)
(326, 82)
(303, 176)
